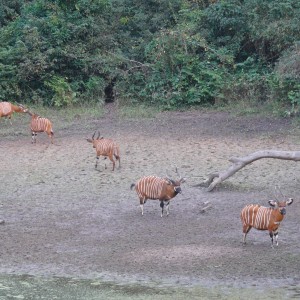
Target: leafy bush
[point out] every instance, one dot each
(182, 71)
(158, 52)
(287, 72)
(51, 53)
(273, 26)
(63, 94)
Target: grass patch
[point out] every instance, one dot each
(65, 117)
(138, 111)
(29, 287)
(250, 108)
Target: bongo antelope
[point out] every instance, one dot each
(7, 109)
(264, 218)
(107, 148)
(39, 124)
(157, 188)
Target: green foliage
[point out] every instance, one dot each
(184, 70)
(288, 66)
(180, 78)
(63, 95)
(246, 83)
(224, 25)
(170, 54)
(94, 88)
(273, 26)
(9, 11)
(285, 83)
(51, 52)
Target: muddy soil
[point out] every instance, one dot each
(64, 218)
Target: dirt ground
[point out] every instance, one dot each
(64, 218)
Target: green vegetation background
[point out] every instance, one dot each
(170, 54)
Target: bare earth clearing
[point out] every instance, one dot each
(64, 218)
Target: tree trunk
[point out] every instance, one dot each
(240, 162)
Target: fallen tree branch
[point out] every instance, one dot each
(239, 162)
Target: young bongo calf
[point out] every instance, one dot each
(7, 109)
(156, 188)
(39, 124)
(264, 218)
(107, 148)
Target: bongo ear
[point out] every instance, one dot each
(273, 203)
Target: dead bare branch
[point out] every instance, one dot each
(239, 162)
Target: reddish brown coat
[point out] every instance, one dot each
(264, 218)
(157, 188)
(39, 124)
(107, 148)
(7, 109)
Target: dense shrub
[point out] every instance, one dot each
(165, 53)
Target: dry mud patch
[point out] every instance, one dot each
(64, 218)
